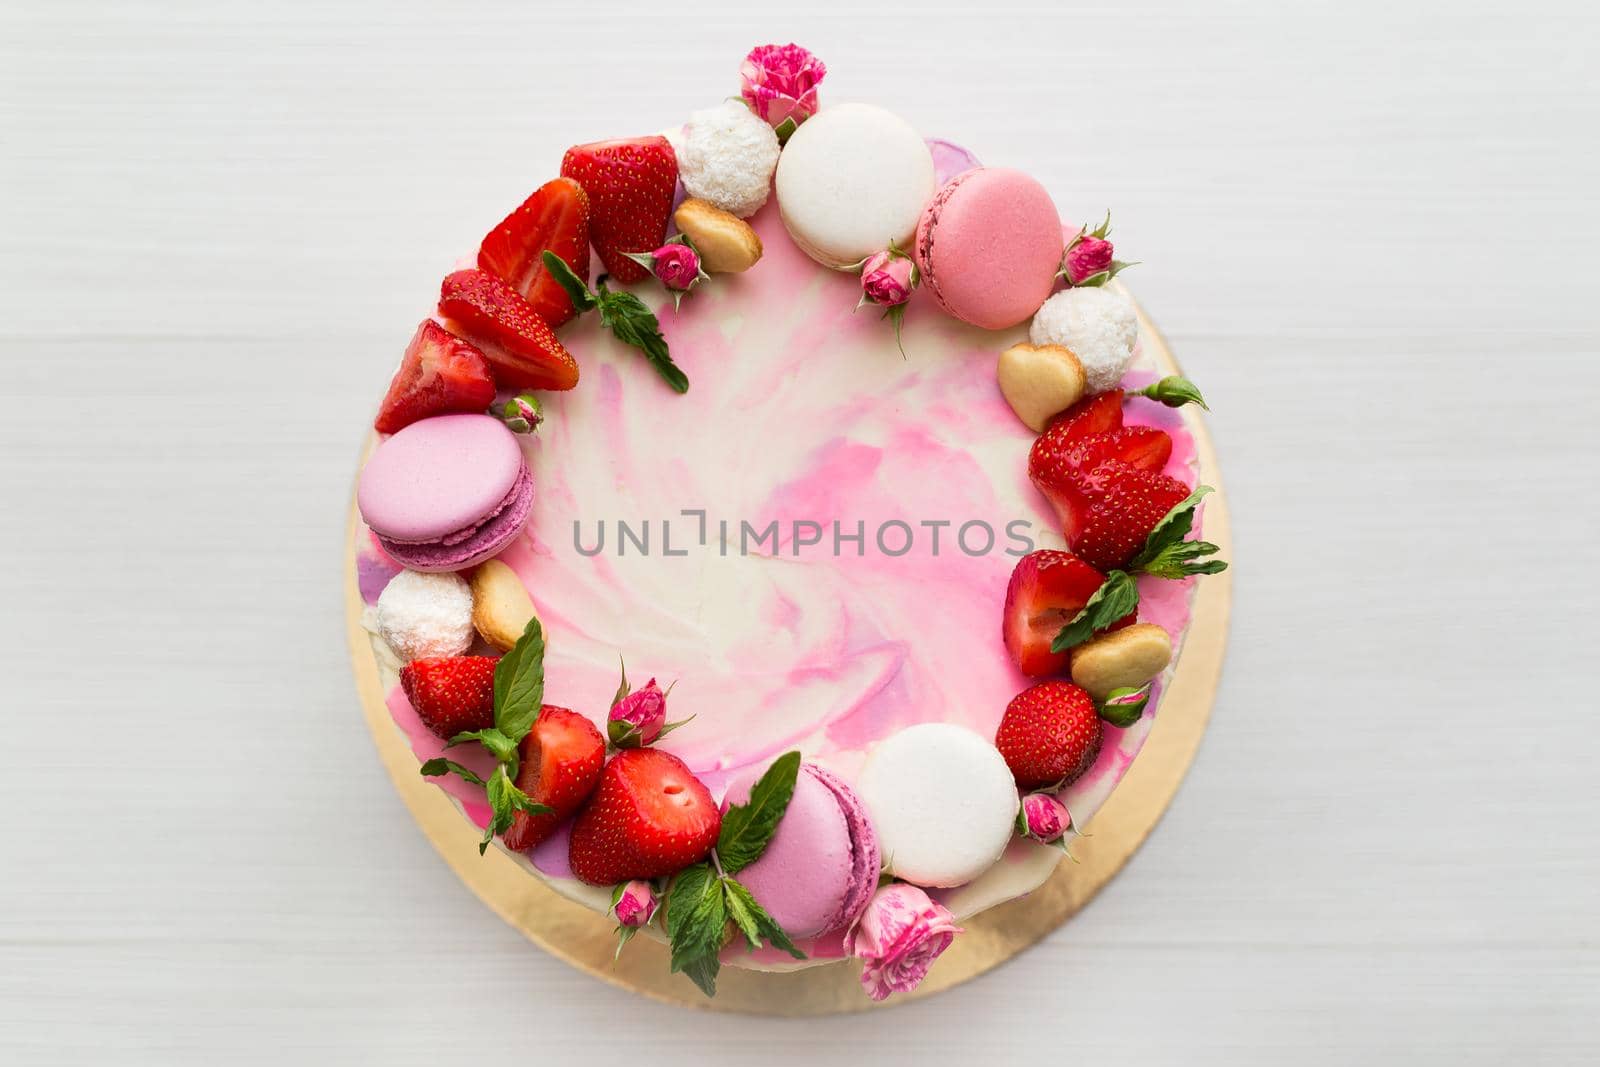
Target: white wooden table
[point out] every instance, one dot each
(1370, 235)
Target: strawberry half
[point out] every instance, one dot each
(561, 761)
(1113, 509)
(1143, 447)
(1050, 733)
(630, 185)
(1047, 589)
(1051, 462)
(439, 373)
(649, 818)
(555, 217)
(451, 694)
(520, 346)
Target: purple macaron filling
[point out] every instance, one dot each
(864, 858)
(471, 545)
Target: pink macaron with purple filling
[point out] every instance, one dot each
(989, 245)
(820, 869)
(446, 493)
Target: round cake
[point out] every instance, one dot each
(751, 596)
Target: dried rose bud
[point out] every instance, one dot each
(636, 904)
(1044, 817)
(522, 414)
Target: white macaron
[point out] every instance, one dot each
(942, 801)
(852, 180)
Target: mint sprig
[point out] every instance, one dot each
(703, 899)
(518, 698)
(748, 827)
(1174, 391)
(1166, 554)
(624, 314)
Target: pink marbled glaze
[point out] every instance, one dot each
(798, 408)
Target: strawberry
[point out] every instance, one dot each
(1051, 462)
(519, 345)
(1114, 508)
(630, 185)
(649, 818)
(451, 694)
(555, 217)
(1049, 734)
(439, 373)
(1047, 589)
(561, 760)
(1138, 446)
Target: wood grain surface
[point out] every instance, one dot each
(1368, 231)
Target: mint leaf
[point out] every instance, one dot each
(626, 316)
(519, 684)
(1167, 555)
(703, 972)
(696, 915)
(754, 922)
(505, 800)
(746, 828)
(1173, 390)
(577, 289)
(502, 747)
(1117, 596)
(439, 765)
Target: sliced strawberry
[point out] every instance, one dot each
(649, 818)
(1047, 589)
(1050, 461)
(561, 761)
(451, 694)
(1115, 506)
(519, 345)
(630, 185)
(439, 373)
(1049, 733)
(1143, 447)
(555, 217)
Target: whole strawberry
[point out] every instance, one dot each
(1049, 734)
(451, 694)
(630, 184)
(1119, 505)
(561, 759)
(650, 817)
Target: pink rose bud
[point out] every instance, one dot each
(1045, 817)
(677, 266)
(887, 279)
(779, 82)
(522, 414)
(1088, 257)
(897, 939)
(638, 717)
(636, 904)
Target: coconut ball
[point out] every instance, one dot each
(422, 615)
(727, 158)
(1097, 324)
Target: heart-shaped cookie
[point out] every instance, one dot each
(1040, 382)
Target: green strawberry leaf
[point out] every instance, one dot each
(754, 922)
(696, 915)
(1173, 390)
(577, 289)
(633, 324)
(439, 765)
(746, 828)
(519, 684)
(1117, 596)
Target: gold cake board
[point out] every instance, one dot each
(585, 939)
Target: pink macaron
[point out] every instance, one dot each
(988, 245)
(820, 869)
(446, 493)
